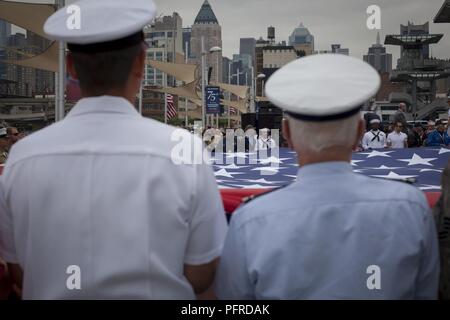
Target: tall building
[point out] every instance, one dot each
(207, 26)
(24, 77)
(302, 40)
(44, 80)
(5, 32)
(378, 58)
(165, 37)
(226, 69)
(187, 32)
(247, 46)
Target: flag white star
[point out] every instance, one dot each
(252, 186)
(416, 159)
(264, 181)
(394, 176)
(237, 155)
(376, 153)
(430, 170)
(429, 187)
(444, 150)
(383, 168)
(272, 160)
(354, 162)
(232, 166)
(225, 173)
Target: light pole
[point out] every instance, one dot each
(260, 76)
(212, 51)
(203, 83)
(185, 99)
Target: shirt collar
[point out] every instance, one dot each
(103, 104)
(324, 169)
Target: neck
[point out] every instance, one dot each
(121, 93)
(331, 154)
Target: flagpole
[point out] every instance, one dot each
(165, 82)
(185, 99)
(60, 76)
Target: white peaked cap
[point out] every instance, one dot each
(100, 21)
(323, 87)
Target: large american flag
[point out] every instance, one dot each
(171, 111)
(277, 168)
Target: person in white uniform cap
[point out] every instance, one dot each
(332, 234)
(374, 138)
(95, 205)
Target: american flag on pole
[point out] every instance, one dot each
(171, 111)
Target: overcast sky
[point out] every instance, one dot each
(330, 21)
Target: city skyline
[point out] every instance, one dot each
(345, 24)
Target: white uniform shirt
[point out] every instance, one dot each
(397, 140)
(320, 238)
(266, 143)
(374, 140)
(100, 191)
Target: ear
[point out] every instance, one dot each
(287, 133)
(71, 66)
(139, 65)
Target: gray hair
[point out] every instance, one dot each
(318, 136)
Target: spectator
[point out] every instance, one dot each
(13, 135)
(375, 138)
(438, 137)
(4, 145)
(252, 136)
(416, 136)
(400, 117)
(397, 139)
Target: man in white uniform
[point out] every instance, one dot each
(397, 139)
(265, 141)
(94, 207)
(375, 138)
(332, 234)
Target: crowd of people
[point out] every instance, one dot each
(98, 206)
(400, 134)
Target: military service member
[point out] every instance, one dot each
(332, 234)
(109, 214)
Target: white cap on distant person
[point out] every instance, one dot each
(3, 132)
(323, 87)
(104, 24)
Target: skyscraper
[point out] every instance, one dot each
(302, 40)
(207, 26)
(187, 32)
(247, 46)
(5, 32)
(165, 37)
(378, 58)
